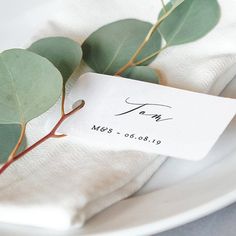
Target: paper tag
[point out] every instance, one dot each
(120, 113)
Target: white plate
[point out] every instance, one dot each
(180, 197)
(180, 192)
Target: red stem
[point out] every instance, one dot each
(49, 135)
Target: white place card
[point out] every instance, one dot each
(123, 114)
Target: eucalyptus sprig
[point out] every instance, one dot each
(31, 84)
(130, 43)
(32, 80)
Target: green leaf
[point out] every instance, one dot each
(64, 53)
(110, 47)
(9, 136)
(176, 3)
(29, 86)
(189, 21)
(142, 73)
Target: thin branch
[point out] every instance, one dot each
(81, 105)
(51, 134)
(58, 135)
(131, 62)
(150, 56)
(63, 101)
(164, 6)
(22, 134)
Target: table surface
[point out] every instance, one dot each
(221, 223)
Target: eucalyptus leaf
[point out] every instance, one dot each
(176, 3)
(9, 136)
(64, 53)
(189, 21)
(110, 47)
(29, 86)
(142, 73)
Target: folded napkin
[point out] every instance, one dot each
(65, 181)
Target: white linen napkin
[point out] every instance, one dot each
(64, 182)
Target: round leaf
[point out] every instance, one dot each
(142, 73)
(110, 47)
(189, 21)
(9, 136)
(29, 86)
(175, 3)
(64, 53)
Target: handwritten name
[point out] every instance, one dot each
(140, 108)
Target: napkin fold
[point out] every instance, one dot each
(65, 181)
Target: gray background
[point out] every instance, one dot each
(221, 223)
